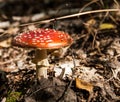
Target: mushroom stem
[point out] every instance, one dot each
(42, 63)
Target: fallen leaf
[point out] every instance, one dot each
(81, 84)
(6, 43)
(4, 24)
(104, 26)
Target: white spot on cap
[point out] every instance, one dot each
(48, 41)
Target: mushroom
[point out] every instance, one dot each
(42, 39)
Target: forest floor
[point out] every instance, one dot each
(87, 71)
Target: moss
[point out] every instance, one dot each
(13, 96)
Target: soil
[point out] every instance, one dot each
(86, 71)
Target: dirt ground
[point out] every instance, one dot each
(86, 71)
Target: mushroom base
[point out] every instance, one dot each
(41, 72)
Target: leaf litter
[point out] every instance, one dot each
(88, 70)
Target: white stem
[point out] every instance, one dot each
(42, 63)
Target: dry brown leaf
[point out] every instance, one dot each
(12, 30)
(81, 84)
(6, 43)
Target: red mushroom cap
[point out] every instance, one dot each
(43, 38)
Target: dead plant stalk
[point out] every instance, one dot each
(73, 15)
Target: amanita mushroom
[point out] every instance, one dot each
(42, 39)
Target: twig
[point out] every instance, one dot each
(117, 4)
(91, 2)
(44, 88)
(73, 15)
